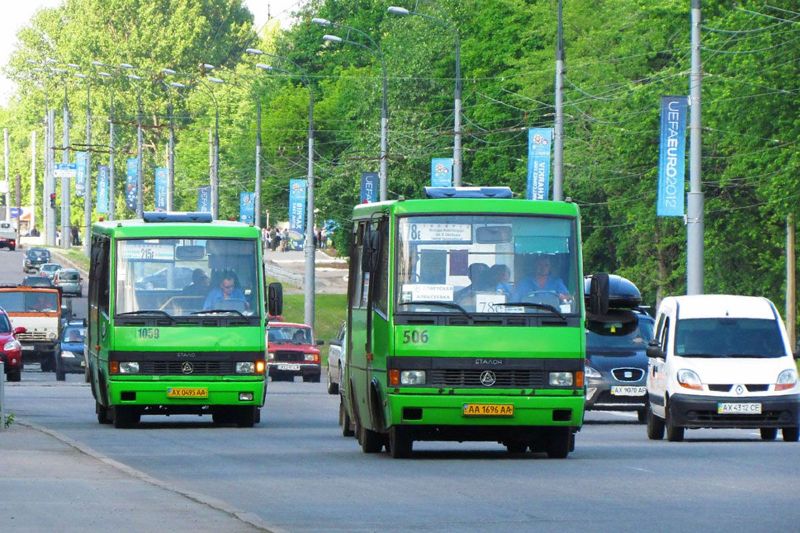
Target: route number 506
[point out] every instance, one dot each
(415, 337)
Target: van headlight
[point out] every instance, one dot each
(128, 367)
(412, 377)
(689, 379)
(561, 379)
(246, 367)
(786, 380)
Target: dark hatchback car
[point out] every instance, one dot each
(71, 345)
(35, 258)
(37, 281)
(616, 359)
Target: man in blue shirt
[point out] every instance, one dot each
(226, 296)
(541, 281)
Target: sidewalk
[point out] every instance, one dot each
(50, 483)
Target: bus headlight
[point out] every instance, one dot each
(245, 367)
(412, 377)
(128, 367)
(561, 379)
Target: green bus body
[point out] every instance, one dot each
(520, 346)
(152, 348)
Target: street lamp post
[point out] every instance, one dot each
(308, 245)
(87, 188)
(139, 142)
(65, 188)
(376, 50)
(171, 152)
(457, 151)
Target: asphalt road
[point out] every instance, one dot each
(295, 472)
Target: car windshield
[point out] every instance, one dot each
(183, 277)
(51, 268)
(289, 334)
(615, 336)
(73, 334)
(729, 337)
(68, 276)
(487, 264)
(5, 324)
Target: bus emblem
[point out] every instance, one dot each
(187, 367)
(488, 378)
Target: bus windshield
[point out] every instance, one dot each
(182, 277)
(487, 264)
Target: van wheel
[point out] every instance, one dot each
(791, 434)
(655, 425)
(558, 443)
(769, 433)
(674, 433)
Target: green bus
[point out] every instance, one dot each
(177, 319)
(465, 322)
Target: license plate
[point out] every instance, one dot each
(187, 392)
(623, 390)
(729, 408)
(488, 409)
(27, 348)
(289, 368)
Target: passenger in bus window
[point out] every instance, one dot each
(501, 277)
(199, 285)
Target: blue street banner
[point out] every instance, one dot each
(131, 191)
(297, 204)
(80, 177)
(204, 199)
(161, 189)
(102, 189)
(247, 207)
(442, 172)
(370, 182)
(539, 141)
(672, 157)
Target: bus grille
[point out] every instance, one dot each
(286, 356)
(472, 378)
(177, 368)
(32, 336)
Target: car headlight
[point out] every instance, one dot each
(412, 377)
(786, 380)
(12, 345)
(561, 379)
(246, 367)
(312, 357)
(591, 373)
(689, 379)
(271, 356)
(72, 355)
(128, 367)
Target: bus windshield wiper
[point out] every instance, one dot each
(451, 305)
(546, 307)
(217, 312)
(148, 312)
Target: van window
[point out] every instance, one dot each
(729, 337)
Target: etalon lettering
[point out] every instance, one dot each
(491, 362)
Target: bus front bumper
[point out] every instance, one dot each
(177, 393)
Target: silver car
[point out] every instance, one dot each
(69, 279)
(336, 360)
(49, 270)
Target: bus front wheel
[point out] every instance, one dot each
(559, 442)
(400, 442)
(247, 417)
(102, 413)
(125, 416)
(371, 441)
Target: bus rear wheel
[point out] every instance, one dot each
(102, 413)
(370, 441)
(344, 420)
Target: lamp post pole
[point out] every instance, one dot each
(257, 206)
(111, 180)
(65, 214)
(87, 185)
(457, 150)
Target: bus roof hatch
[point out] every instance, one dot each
(468, 192)
(176, 216)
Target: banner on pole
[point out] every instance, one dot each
(131, 190)
(442, 172)
(370, 181)
(672, 157)
(247, 207)
(297, 204)
(82, 172)
(161, 189)
(539, 141)
(204, 199)
(102, 189)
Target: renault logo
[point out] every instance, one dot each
(488, 378)
(187, 367)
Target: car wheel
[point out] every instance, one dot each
(655, 426)
(400, 442)
(125, 417)
(674, 433)
(641, 415)
(58, 363)
(558, 443)
(769, 433)
(790, 434)
(316, 378)
(333, 388)
(15, 375)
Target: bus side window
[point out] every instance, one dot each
(381, 292)
(355, 266)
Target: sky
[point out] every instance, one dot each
(17, 14)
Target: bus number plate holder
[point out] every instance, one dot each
(187, 392)
(488, 409)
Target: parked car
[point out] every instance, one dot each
(69, 279)
(8, 235)
(49, 269)
(616, 358)
(34, 258)
(10, 348)
(336, 360)
(71, 346)
(292, 351)
(721, 361)
(37, 281)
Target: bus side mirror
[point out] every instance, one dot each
(654, 350)
(275, 299)
(371, 252)
(598, 294)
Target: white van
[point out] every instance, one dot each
(721, 361)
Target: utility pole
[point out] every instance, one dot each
(87, 188)
(112, 184)
(8, 183)
(49, 178)
(694, 219)
(33, 181)
(215, 168)
(309, 247)
(257, 206)
(791, 291)
(171, 159)
(139, 180)
(65, 214)
(558, 134)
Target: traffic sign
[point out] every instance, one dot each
(14, 212)
(66, 170)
